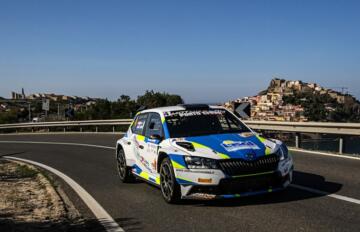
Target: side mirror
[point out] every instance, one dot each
(259, 133)
(156, 136)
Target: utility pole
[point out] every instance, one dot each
(29, 111)
(58, 106)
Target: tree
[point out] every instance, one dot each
(153, 99)
(8, 117)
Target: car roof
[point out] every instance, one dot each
(179, 108)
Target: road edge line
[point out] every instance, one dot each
(60, 143)
(100, 213)
(324, 153)
(332, 195)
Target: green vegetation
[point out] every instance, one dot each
(124, 107)
(24, 171)
(322, 107)
(8, 117)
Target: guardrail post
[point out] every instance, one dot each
(341, 145)
(113, 129)
(297, 145)
(96, 129)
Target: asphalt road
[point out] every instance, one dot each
(140, 207)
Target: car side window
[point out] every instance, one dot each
(139, 124)
(154, 126)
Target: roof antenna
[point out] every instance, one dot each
(141, 108)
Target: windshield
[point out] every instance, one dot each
(188, 123)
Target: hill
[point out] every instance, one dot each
(287, 100)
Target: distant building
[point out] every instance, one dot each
(18, 96)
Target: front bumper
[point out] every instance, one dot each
(240, 187)
(214, 184)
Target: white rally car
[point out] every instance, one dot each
(201, 151)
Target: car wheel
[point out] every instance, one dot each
(169, 187)
(124, 171)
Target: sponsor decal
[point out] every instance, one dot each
(195, 171)
(250, 156)
(154, 164)
(185, 113)
(145, 162)
(140, 125)
(151, 148)
(232, 146)
(203, 196)
(150, 166)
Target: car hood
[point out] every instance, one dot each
(246, 146)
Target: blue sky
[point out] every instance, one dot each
(206, 51)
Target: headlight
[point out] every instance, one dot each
(200, 162)
(283, 152)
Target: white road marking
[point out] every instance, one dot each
(325, 154)
(339, 197)
(344, 198)
(59, 143)
(104, 218)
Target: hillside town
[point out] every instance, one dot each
(42, 107)
(272, 104)
(20, 103)
(50, 96)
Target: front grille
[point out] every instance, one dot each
(248, 184)
(234, 167)
(242, 185)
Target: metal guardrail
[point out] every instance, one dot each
(67, 123)
(64, 124)
(341, 129)
(307, 127)
(300, 127)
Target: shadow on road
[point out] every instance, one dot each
(62, 225)
(290, 194)
(83, 225)
(14, 153)
(129, 224)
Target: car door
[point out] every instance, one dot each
(138, 141)
(153, 135)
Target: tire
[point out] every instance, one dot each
(170, 189)
(124, 171)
